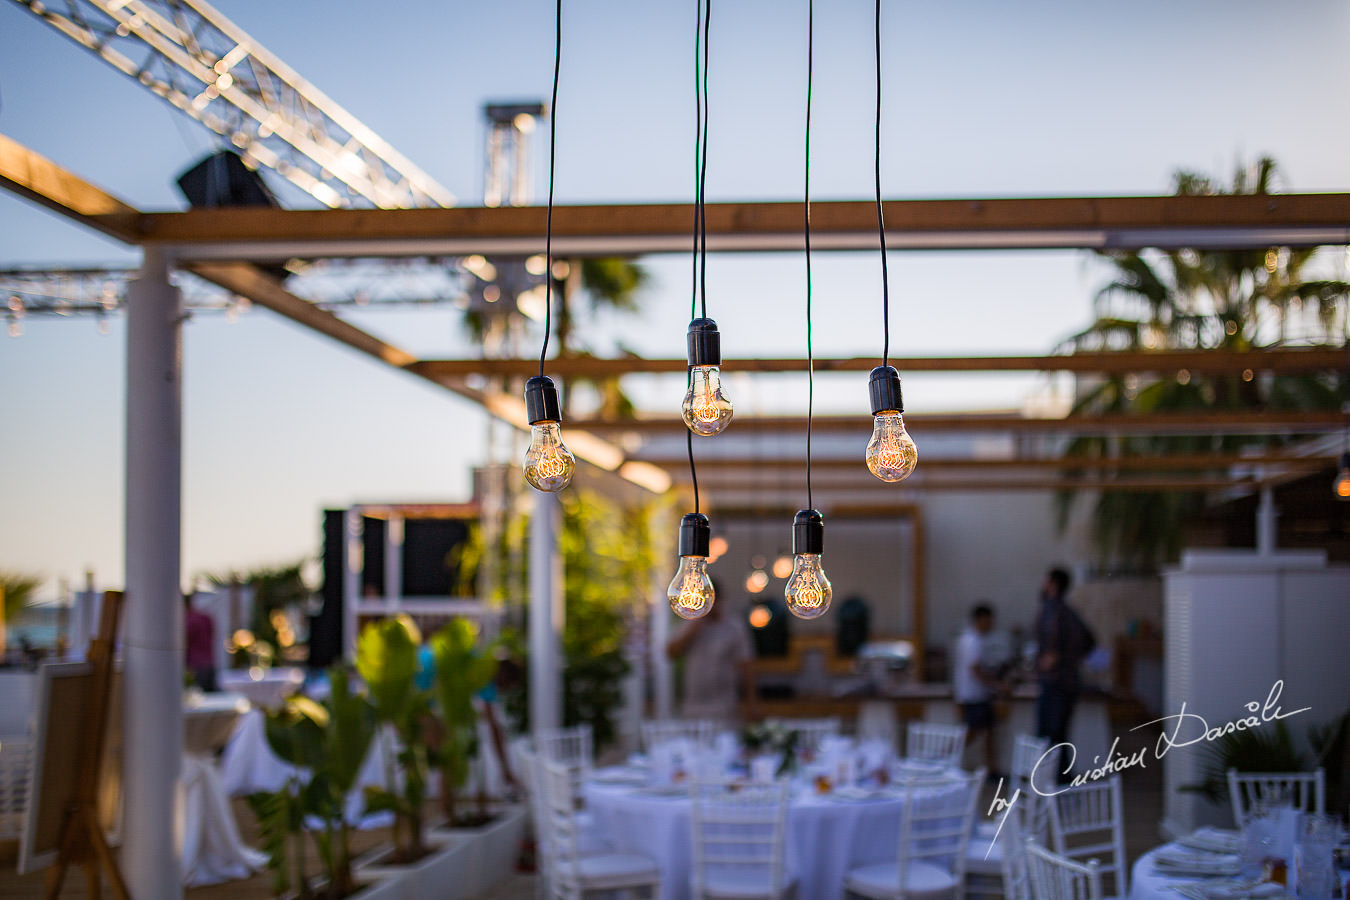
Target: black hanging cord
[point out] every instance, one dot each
(806, 206)
(881, 224)
(698, 151)
(548, 217)
(703, 171)
(689, 442)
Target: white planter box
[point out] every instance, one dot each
(490, 854)
(378, 888)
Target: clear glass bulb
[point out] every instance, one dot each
(707, 411)
(808, 592)
(691, 590)
(548, 463)
(891, 454)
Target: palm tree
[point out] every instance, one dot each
(16, 592)
(1198, 300)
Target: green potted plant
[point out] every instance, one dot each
(386, 657)
(462, 669)
(328, 742)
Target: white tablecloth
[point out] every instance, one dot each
(1146, 884)
(263, 687)
(826, 836)
(212, 849)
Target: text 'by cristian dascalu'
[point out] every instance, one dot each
(1179, 730)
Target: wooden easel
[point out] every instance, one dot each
(82, 840)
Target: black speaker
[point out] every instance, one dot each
(222, 179)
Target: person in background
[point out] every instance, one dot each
(974, 683)
(717, 655)
(199, 646)
(853, 624)
(1062, 641)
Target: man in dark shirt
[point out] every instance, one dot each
(1062, 641)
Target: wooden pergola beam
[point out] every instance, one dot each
(1171, 361)
(679, 467)
(733, 494)
(1221, 422)
(34, 177)
(976, 223)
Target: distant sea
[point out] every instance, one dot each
(36, 623)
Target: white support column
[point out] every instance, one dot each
(546, 614)
(393, 559)
(1267, 529)
(153, 628)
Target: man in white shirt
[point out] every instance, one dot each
(717, 652)
(973, 682)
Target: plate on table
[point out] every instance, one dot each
(1182, 861)
(619, 775)
(856, 794)
(1213, 840)
(663, 790)
(920, 767)
(1229, 889)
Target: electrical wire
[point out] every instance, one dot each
(698, 152)
(881, 224)
(552, 159)
(703, 172)
(806, 216)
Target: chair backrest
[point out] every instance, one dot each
(559, 826)
(700, 731)
(940, 743)
(936, 821)
(810, 732)
(1056, 877)
(1301, 790)
(741, 827)
(1027, 751)
(573, 746)
(1013, 860)
(1087, 823)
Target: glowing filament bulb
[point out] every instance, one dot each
(1341, 486)
(891, 454)
(808, 592)
(691, 590)
(707, 410)
(548, 463)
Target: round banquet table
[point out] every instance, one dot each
(826, 835)
(266, 688)
(1148, 884)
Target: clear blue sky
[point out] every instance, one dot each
(981, 99)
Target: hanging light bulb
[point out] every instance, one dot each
(707, 409)
(891, 454)
(691, 590)
(1341, 486)
(808, 592)
(548, 463)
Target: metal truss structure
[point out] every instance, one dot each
(190, 55)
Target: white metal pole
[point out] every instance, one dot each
(1266, 523)
(393, 560)
(353, 565)
(546, 614)
(153, 631)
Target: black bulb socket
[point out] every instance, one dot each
(808, 532)
(705, 343)
(1345, 461)
(695, 535)
(884, 389)
(541, 400)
